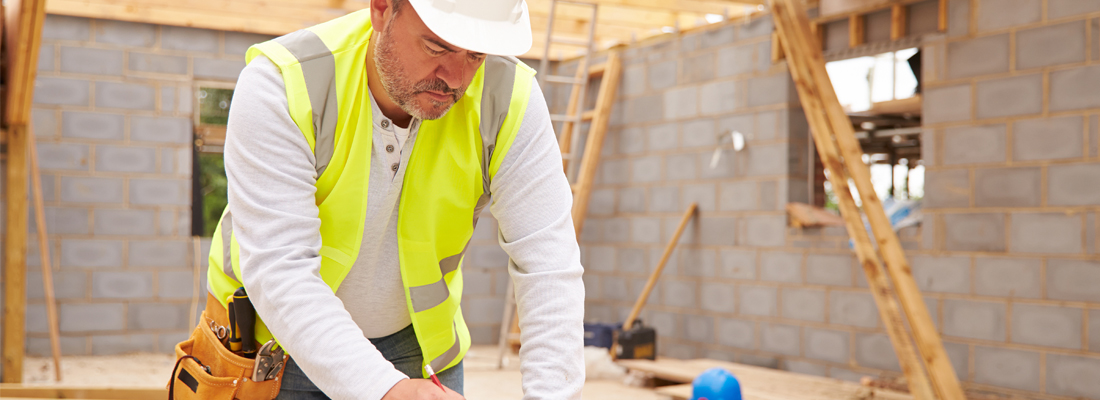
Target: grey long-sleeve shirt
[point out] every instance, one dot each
(271, 174)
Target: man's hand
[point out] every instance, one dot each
(420, 389)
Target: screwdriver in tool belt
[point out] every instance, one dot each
(435, 379)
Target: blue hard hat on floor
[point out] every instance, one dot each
(715, 384)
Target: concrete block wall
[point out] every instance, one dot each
(485, 282)
(734, 288)
(113, 115)
(1007, 256)
(1008, 250)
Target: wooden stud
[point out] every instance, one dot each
(818, 34)
(44, 253)
(942, 20)
(15, 260)
(925, 335)
(23, 35)
(899, 17)
(806, 85)
(660, 267)
(856, 30)
(777, 48)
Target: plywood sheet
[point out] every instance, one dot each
(840, 7)
(762, 383)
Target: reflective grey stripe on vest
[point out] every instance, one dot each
(496, 97)
(227, 246)
(319, 69)
(439, 362)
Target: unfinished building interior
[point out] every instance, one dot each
(982, 132)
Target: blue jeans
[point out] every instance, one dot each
(399, 348)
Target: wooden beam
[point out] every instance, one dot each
(695, 6)
(777, 48)
(239, 21)
(15, 255)
(613, 14)
(579, 27)
(44, 254)
(81, 392)
(800, 57)
(942, 374)
(941, 21)
(857, 32)
(23, 33)
(863, 10)
(899, 16)
(652, 281)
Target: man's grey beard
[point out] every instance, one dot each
(403, 92)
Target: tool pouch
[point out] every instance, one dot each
(205, 369)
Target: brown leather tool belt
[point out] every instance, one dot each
(207, 369)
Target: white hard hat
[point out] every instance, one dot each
(498, 27)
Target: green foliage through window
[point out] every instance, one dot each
(214, 105)
(213, 109)
(213, 185)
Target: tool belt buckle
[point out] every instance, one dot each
(269, 361)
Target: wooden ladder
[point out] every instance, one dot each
(841, 154)
(584, 173)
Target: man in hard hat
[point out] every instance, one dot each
(360, 153)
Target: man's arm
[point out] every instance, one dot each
(532, 203)
(271, 174)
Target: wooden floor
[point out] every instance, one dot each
(148, 372)
(485, 382)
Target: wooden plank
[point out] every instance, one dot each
(800, 50)
(81, 392)
(209, 19)
(777, 48)
(763, 383)
(15, 249)
(835, 7)
(925, 335)
(866, 9)
(609, 85)
(899, 16)
(941, 21)
(857, 32)
(47, 266)
(690, 212)
(23, 36)
(610, 14)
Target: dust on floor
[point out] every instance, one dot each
(483, 380)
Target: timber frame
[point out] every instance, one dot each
(619, 22)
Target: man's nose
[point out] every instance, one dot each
(452, 70)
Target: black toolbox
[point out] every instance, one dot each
(638, 342)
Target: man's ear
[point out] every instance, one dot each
(380, 12)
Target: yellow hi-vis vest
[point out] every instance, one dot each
(446, 182)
